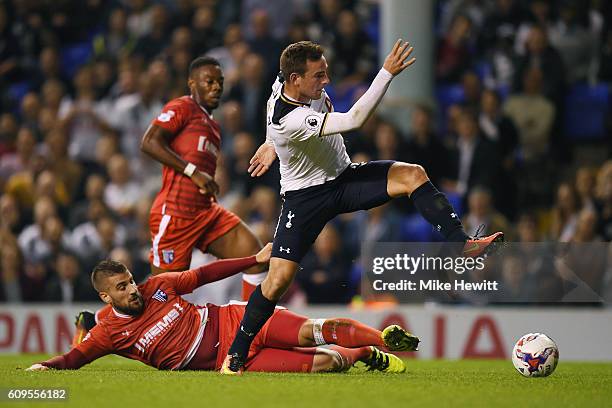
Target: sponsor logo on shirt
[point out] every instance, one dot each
(312, 122)
(160, 296)
(166, 116)
(168, 255)
(162, 326)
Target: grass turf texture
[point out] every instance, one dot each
(118, 382)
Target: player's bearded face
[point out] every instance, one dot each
(133, 305)
(206, 85)
(124, 294)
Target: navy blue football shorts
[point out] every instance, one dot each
(305, 212)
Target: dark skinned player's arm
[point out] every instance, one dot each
(154, 143)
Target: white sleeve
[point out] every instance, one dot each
(337, 122)
(303, 123)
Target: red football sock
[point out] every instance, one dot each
(350, 333)
(351, 355)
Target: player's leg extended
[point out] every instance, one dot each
(287, 329)
(412, 180)
(240, 242)
(259, 309)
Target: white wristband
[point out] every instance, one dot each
(190, 168)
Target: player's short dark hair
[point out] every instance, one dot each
(106, 268)
(201, 62)
(294, 57)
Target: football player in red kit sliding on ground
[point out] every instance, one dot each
(187, 140)
(152, 323)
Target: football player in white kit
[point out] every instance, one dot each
(318, 180)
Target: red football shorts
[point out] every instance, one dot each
(174, 238)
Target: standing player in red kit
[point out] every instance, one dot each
(185, 215)
(153, 324)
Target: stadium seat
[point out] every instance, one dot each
(586, 110)
(17, 91)
(415, 229)
(75, 55)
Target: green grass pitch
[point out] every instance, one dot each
(116, 382)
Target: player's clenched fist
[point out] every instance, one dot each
(205, 182)
(398, 59)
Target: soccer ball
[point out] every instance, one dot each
(535, 355)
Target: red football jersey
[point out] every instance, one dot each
(196, 137)
(166, 335)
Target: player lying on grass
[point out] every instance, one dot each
(152, 323)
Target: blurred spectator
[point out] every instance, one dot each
(453, 55)
(264, 204)
(499, 128)
(48, 68)
(577, 40)
(8, 134)
(539, 13)
(514, 286)
(80, 212)
(38, 241)
(252, 92)
(12, 279)
(603, 203)
(423, 146)
(354, 56)
(325, 278)
(262, 42)
(231, 123)
(105, 76)
(83, 117)
(151, 29)
(94, 240)
(227, 55)
(585, 187)
(205, 35)
(472, 90)
(117, 41)
(541, 55)
(122, 192)
(475, 159)
(132, 116)
(21, 160)
(67, 171)
(501, 24)
(244, 147)
(389, 144)
(564, 213)
(10, 216)
(533, 115)
(481, 212)
(68, 283)
(30, 110)
(141, 19)
(52, 93)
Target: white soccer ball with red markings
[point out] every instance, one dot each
(535, 355)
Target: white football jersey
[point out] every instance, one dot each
(306, 157)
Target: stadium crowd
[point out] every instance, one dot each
(80, 82)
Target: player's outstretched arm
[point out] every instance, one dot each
(188, 281)
(396, 62)
(262, 160)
